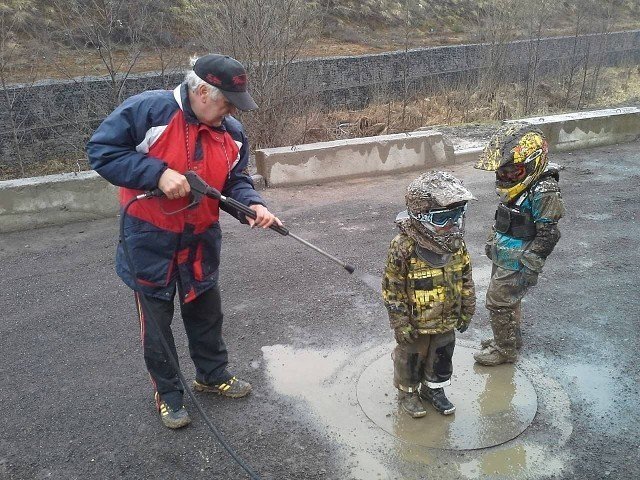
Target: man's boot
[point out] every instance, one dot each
(410, 403)
(437, 398)
(172, 412)
(232, 388)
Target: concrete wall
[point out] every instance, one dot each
(574, 131)
(328, 161)
(58, 116)
(325, 161)
(57, 199)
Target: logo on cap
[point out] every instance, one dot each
(213, 80)
(239, 80)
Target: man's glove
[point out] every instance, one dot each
(528, 277)
(487, 250)
(405, 334)
(463, 323)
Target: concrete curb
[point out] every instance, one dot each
(574, 131)
(354, 157)
(467, 155)
(58, 199)
(55, 199)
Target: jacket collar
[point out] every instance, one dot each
(181, 94)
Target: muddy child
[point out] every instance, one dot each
(524, 233)
(428, 290)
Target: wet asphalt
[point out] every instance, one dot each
(76, 401)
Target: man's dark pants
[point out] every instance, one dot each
(202, 319)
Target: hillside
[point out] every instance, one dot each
(63, 39)
(67, 38)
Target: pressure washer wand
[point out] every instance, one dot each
(200, 186)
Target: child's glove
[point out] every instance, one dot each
(528, 277)
(405, 334)
(463, 323)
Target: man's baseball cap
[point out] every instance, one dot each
(229, 76)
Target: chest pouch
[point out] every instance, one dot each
(423, 284)
(515, 223)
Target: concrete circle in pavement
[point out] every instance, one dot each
(493, 405)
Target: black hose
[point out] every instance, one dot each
(172, 359)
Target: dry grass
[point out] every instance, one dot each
(62, 165)
(618, 87)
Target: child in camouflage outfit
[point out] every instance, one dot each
(428, 290)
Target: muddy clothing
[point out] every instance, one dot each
(526, 230)
(428, 360)
(523, 236)
(504, 295)
(429, 294)
(418, 292)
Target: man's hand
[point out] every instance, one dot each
(528, 277)
(264, 218)
(173, 184)
(405, 335)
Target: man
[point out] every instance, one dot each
(149, 142)
(428, 290)
(524, 234)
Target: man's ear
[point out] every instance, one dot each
(203, 93)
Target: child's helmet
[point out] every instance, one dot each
(436, 205)
(518, 155)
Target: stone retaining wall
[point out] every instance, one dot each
(55, 118)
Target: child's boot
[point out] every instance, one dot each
(437, 398)
(411, 403)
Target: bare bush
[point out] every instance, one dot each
(497, 22)
(114, 29)
(538, 15)
(14, 101)
(266, 36)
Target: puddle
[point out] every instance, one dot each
(510, 462)
(596, 217)
(330, 388)
(597, 386)
(493, 405)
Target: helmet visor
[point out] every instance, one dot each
(441, 217)
(512, 172)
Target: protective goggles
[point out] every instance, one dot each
(513, 172)
(440, 218)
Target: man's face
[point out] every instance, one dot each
(211, 111)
